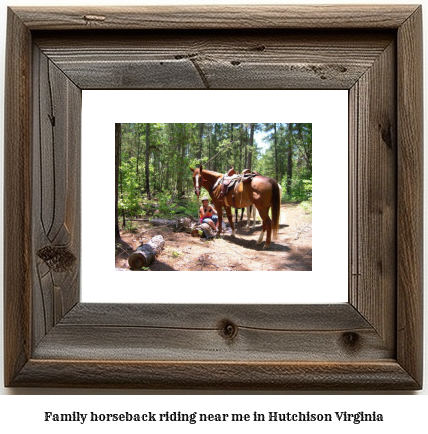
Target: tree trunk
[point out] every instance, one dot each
(180, 155)
(209, 149)
(241, 139)
(118, 139)
(290, 158)
(147, 159)
(138, 143)
(250, 150)
(201, 133)
(245, 147)
(215, 145)
(229, 152)
(276, 153)
(145, 254)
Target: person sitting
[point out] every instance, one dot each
(208, 214)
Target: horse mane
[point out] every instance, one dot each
(212, 173)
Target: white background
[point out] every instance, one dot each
(402, 413)
(327, 283)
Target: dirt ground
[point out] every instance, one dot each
(292, 250)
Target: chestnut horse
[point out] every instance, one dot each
(262, 192)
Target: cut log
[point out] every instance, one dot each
(197, 233)
(203, 230)
(145, 254)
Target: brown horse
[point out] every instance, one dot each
(263, 192)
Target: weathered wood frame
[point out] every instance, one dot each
(372, 342)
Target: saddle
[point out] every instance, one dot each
(231, 180)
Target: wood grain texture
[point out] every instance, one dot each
(216, 59)
(410, 196)
(55, 194)
(17, 199)
(372, 342)
(199, 332)
(385, 375)
(373, 176)
(217, 17)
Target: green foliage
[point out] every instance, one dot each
(192, 205)
(300, 190)
(307, 206)
(129, 190)
(131, 227)
(280, 150)
(195, 162)
(168, 207)
(165, 209)
(175, 254)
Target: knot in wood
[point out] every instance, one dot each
(386, 134)
(58, 259)
(228, 330)
(351, 340)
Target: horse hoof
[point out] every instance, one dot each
(266, 246)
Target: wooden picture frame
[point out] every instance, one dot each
(372, 342)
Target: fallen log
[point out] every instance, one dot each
(203, 230)
(181, 224)
(145, 253)
(163, 222)
(197, 233)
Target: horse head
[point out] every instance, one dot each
(197, 179)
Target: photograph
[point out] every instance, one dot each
(351, 75)
(213, 196)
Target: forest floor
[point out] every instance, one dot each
(292, 250)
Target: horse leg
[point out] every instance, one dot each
(268, 233)
(254, 216)
(236, 214)
(248, 215)
(230, 218)
(266, 227)
(220, 218)
(262, 234)
(260, 240)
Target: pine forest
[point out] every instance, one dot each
(153, 160)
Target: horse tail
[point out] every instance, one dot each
(276, 207)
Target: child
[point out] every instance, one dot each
(208, 214)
